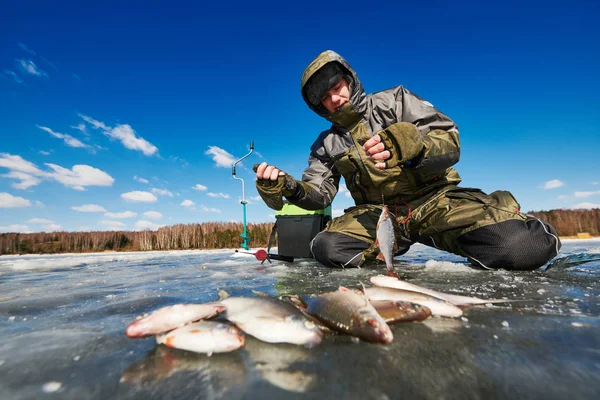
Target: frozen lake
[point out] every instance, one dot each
(62, 320)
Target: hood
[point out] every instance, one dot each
(355, 109)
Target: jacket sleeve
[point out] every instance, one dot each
(320, 181)
(439, 135)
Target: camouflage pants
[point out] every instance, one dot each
(490, 230)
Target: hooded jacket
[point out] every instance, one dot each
(423, 141)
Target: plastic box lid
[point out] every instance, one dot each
(290, 209)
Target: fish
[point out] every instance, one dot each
(386, 240)
(271, 320)
(392, 282)
(437, 306)
(204, 337)
(349, 312)
(400, 311)
(168, 318)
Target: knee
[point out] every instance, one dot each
(334, 249)
(512, 244)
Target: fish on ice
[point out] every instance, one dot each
(204, 337)
(270, 319)
(168, 318)
(347, 311)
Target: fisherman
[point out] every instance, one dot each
(394, 148)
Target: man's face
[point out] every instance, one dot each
(337, 96)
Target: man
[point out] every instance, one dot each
(395, 148)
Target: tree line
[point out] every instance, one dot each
(572, 222)
(219, 235)
(209, 235)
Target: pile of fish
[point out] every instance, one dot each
(302, 320)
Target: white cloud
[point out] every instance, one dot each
(223, 195)
(140, 179)
(220, 156)
(16, 163)
(139, 197)
(30, 67)
(29, 174)
(255, 198)
(15, 77)
(51, 227)
(125, 134)
(39, 204)
(26, 180)
(7, 200)
(39, 221)
(187, 203)
(586, 194)
(553, 184)
(125, 214)
(199, 187)
(68, 139)
(114, 225)
(161, 192)
(80, 176)
(212, 210)
(89, 208)
(15, 228)
(587, 206)
(153, 214)
(45, 153)
(143, 225)
(343, 189)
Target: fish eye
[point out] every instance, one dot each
(309, 324)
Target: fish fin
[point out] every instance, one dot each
(395, 248)
(343, 289)
(377, 242)
(223, 294)
(380, 257)
(260, 294)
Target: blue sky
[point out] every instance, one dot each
(127, 115)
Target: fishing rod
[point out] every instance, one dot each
(262, 255)
(244, 202)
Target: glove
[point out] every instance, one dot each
(404, 142)
(272, 192)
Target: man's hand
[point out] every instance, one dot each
(272, 184)
(375, 148)
(270, 172)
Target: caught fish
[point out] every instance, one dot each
(391, 282)
(400, 311)
(349, 312)
(386, 240)
(171, 317)
(204, 337)
(437, 306)
(270, 320)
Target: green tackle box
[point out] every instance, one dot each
(296, 227)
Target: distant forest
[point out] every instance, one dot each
(219, 235)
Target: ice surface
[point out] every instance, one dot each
(62, 319)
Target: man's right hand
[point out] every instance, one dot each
(272, 184)
(265, 171)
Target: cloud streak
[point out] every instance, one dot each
(68, 139)
(32, 69)
(553, 184)
(125, 134)
(78, 177)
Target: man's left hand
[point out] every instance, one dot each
(376, 150)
